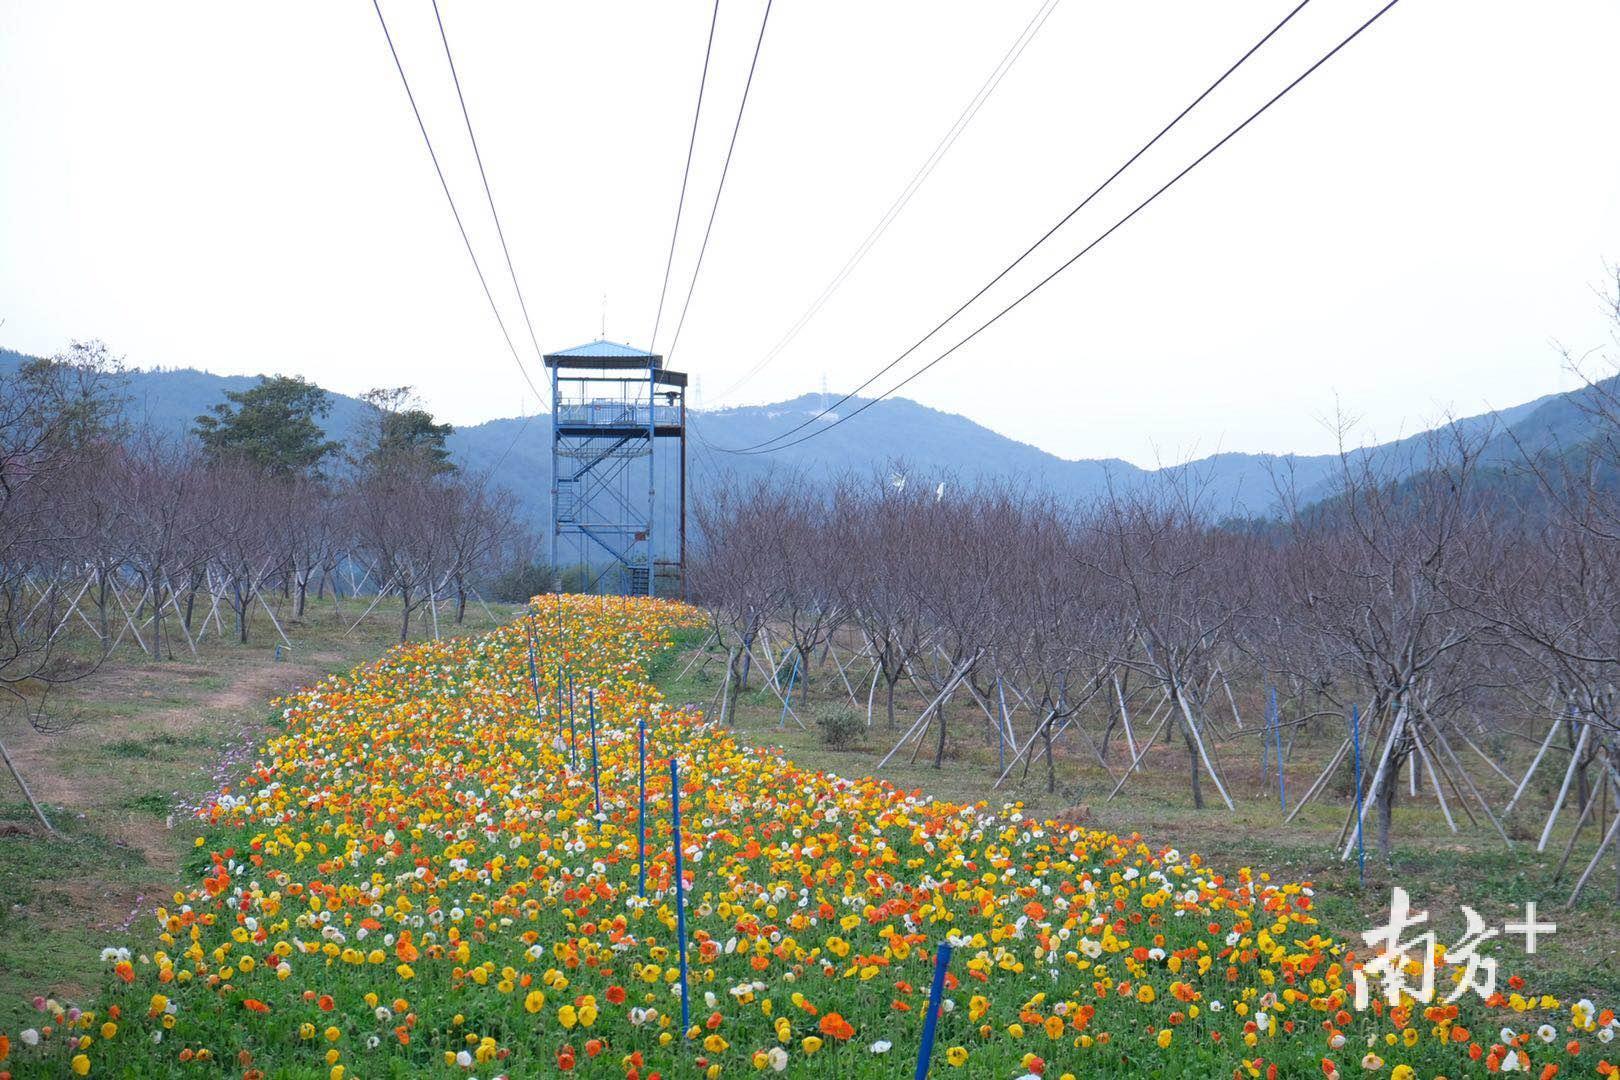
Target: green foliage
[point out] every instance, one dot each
(400, 434)
(841, 727)
(575, 579)
(272, 425)
(521, 583)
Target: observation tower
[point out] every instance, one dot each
(618, 469)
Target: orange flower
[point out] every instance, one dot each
(837, 1027)
(407, 952)
(326, 1003)
(255, 1005)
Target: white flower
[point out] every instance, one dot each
(882, 1046)
(464, 1059)
(1546, 1033)
(776, 1058)
(1605, 1033)
(30, 1037)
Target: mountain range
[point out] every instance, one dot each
(893, 433)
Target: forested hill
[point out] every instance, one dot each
(926, 440)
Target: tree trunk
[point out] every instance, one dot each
(939, 750)
(303, 594)
(1051, 768)
(405, 613)
(1386, 804)
(1192, 761)
(157, 616)
(103, 588)
(892, 682)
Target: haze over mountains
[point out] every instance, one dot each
(926, 440)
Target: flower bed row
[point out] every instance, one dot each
(414, 878)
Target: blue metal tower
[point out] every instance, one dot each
(615, 412)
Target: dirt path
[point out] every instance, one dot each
(127, 777)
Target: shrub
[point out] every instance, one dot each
(520, 584)
(842, 728)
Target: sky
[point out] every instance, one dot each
(1418, 229)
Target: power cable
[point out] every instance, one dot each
(685, 175)
(443, 183)
(488, 194)
(1110, 231)
(721, 186)
(1098, 190)
(924, 171)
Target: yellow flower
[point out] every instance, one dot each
(567, 1017)
(80, 1065)
(1164, 1038)
(957, 1056)
(811, 1044)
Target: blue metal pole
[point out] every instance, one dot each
(1355, 739)
(596, 776)
(1276, 716)
(559, 705)
(936, 991)
(573, 734)
(788, 697)
(641, 817)
(534, 676)
(680, 892)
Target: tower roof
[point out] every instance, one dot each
(603, 349)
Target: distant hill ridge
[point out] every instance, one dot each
(896, 429)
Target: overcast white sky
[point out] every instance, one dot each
(241, 188)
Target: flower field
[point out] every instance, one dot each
(414, 879)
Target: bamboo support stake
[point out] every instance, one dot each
(1563, 789)
(1552, 730)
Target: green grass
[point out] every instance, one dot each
(1441, 870)
(145, 729)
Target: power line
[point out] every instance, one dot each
(924, 171)
(686, 173)
(721, 186)
(1064, 220)
(489, 195)
(443, 183)
(1105, 235)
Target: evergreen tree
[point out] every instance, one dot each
(272, 425)
(400, 434)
